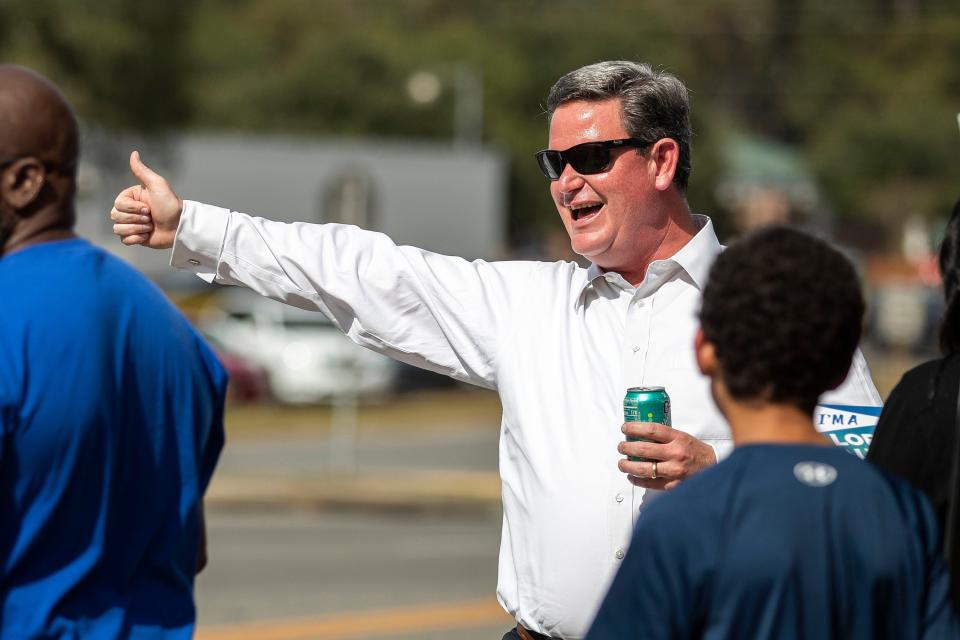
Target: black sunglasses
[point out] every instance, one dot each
(586, 158)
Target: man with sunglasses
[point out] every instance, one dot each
(560, 343)
(111, 408)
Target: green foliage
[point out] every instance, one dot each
(122, 62)
(866, 89)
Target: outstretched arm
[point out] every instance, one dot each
(147, 213)
(433, 311)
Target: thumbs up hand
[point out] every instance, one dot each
(147, 213)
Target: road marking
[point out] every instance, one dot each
(364, 624)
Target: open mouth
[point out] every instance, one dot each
(579, 213)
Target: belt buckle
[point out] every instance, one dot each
(526, 634)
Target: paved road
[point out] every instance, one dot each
(300, 575)
(305, 454)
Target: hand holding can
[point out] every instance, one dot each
(646, 404)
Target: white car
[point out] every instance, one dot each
(306, 358)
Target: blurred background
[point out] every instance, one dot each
(358, 498)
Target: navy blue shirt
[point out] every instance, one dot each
(111, 422)
(783, 542)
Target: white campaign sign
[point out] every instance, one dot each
(848, 426)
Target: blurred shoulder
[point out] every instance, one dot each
(923, 375)
(914, 506)
(697, 499)
(920, 388)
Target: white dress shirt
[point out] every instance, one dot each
(560, 343)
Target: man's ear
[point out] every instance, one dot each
(706, 354)
(21, 182)
(665, 154)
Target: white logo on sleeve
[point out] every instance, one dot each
(815, 474)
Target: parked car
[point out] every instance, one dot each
(248, 380)
(306, 359)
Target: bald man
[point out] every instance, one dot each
(110, 408)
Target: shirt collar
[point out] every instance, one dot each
(695, 258)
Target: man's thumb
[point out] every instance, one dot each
(147, 176)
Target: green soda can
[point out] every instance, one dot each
(646, 404)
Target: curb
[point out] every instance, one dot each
(400, 492)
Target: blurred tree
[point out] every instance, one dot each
(123, 62)
(867, 90)
(882, 126)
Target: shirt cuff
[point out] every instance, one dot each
(199, 240)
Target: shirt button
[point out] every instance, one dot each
(619, 497)
(193, 262)
(636, 348)
(619, 554)
(639, 303)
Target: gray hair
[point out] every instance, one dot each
(654, 104)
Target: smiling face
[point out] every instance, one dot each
(611, 217)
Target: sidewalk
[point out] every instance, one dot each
(429, 451)
(409, 491)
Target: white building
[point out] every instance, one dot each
(446, 199)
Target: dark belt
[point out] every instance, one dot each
(526, 634)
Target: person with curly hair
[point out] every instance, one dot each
(916, 436)
(783, 538)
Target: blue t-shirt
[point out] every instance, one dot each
(111, 422)
(782, 542)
